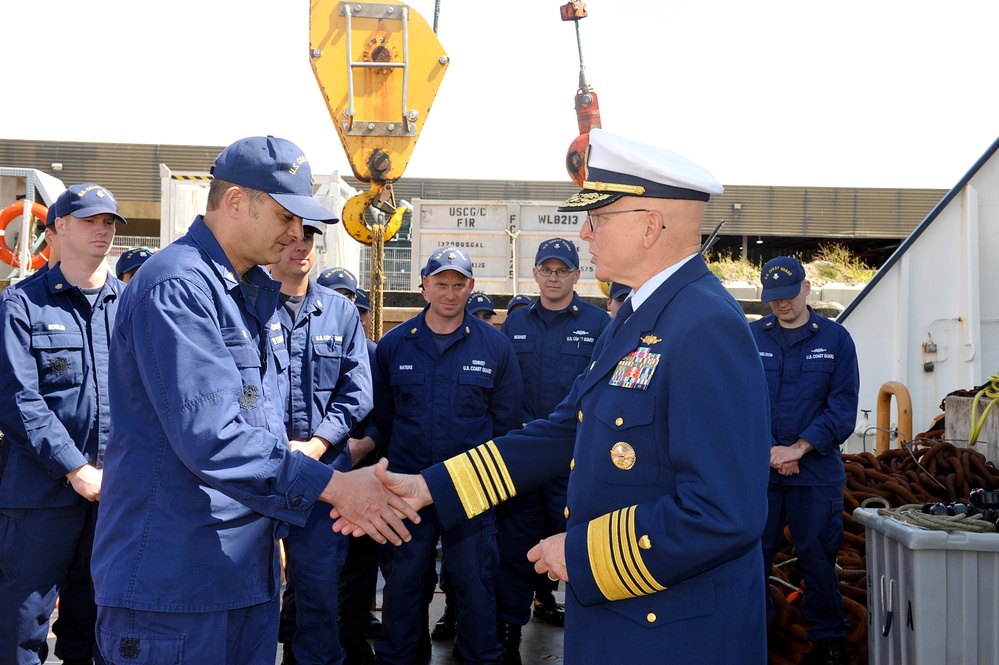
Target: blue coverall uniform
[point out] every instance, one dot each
(325, 382)
(54, 412)
(665, 435)
(551, 356)
(198, 476)
(431, 406)
(813, 388)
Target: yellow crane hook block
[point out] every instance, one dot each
(379, 66)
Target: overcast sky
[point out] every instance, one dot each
(879, 93)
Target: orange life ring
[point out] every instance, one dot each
(9, 214)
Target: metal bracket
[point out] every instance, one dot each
(359, 127)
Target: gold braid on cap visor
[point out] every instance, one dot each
(634, 190)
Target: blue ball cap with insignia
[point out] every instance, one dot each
(616, 167)
(782, 278)
(131, 259)
(479, 302)
(338, 278)
(619, 291)
(448, 258)
(363, 300)
(558, 248)
(519, 300)
(277, 167)
(85, 200)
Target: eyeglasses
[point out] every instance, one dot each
(591, 215)
(547, 272)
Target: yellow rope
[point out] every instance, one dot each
(991, 390)
(377, 279)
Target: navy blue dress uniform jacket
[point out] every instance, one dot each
(325, 375)
(198, 473)
(667, 493)
(551, 357)
(431, 406)
(813, 387)
(54, 407)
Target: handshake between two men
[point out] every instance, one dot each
(375, 501)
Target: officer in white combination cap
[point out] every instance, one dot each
(665, 434)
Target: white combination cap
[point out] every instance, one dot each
(616, 167)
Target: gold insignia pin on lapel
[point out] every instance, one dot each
(649, 340)
(623, 455)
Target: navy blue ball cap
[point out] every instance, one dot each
(338, 278)
(85, 200)
(558, 248)
(619, 291)
(782, 278)
(479, 302)
(277, 167)
(519, 300)
(448, 258)
(363, 300)
(131, 259)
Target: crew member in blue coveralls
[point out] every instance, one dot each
(518, 301)
(554, 340)
(52, 241)
(54, 412)
(340, 280)
(616, 296)
(343, 282)
(665, 434)
(443, 381)
(325, 381)
(199, 477)
(130, 261)
(480, 305)
(811, 367)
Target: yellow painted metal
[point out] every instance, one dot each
(379, 97)
(355, 224)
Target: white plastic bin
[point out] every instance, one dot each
(941, 588)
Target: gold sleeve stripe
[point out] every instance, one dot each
(615, 558)
(480, 478)
(618, 525)
(636, 565)
(493, 472)
(602, 560)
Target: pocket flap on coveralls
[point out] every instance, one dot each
(242, 349)
(55, 340)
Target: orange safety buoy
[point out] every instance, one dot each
(9, 214)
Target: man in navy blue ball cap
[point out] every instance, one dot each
(443, 380)
(202, 486)
(480, 305)
(54, 411)
(616, 296)
(519, 300)
(813, 377)
(129, 262)
(340, 280)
